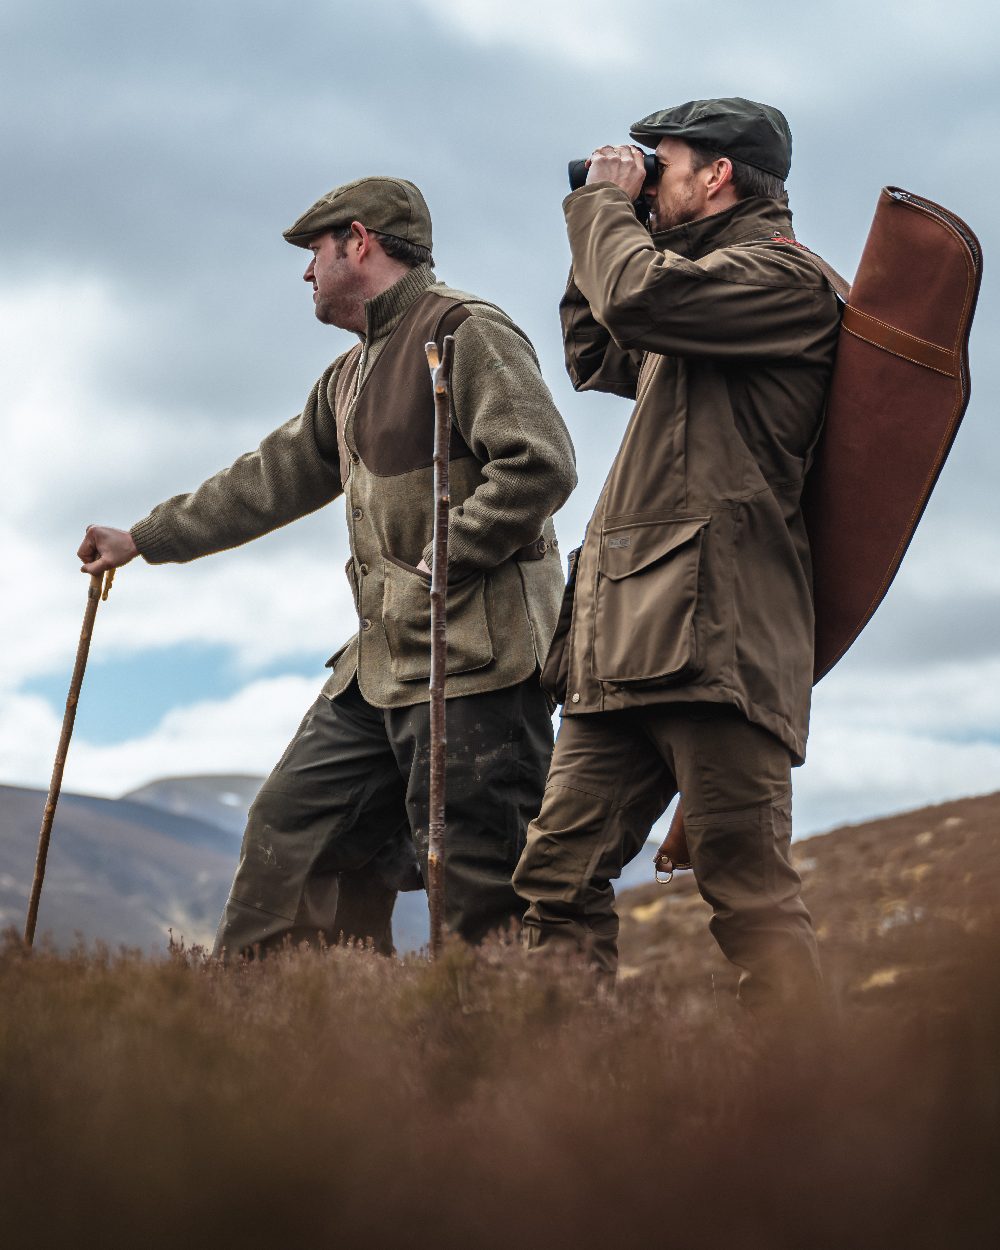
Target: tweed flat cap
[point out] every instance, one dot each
(744, 130)
(389, 205)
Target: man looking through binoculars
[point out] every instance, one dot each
(688, 659)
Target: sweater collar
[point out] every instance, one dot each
(748, 220)
(387, 309)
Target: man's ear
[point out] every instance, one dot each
(720, 176)
(361, 240)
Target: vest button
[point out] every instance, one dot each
(365, 623)
(355, 458)
(363, 570)
(357, 514)
(576, 698)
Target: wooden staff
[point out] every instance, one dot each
(96, 592)
(441, 380)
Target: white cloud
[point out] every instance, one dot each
(948, 699)
(585, 32)
(265, 604)
(70, 458)
(243, 734)
(855, 773)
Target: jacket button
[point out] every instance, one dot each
(363, 570)
(365, 623)
(357, 514)
(355, 458)
(576, 698)
(543, 546)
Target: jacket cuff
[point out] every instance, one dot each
(593, 188)
(152, 540)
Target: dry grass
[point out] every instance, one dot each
(339, 1099)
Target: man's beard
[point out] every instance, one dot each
(677, 213)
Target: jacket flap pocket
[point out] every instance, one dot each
(627, 549)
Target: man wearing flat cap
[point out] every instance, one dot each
(328, 841)
(688, 659)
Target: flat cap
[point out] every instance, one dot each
(744, 130)
(389, 205)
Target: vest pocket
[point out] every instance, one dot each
(406, 616)
(647, 593)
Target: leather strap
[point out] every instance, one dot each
(841, 288)
(880, 333)
(899, 343)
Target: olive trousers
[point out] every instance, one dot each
(331, 836)
(613, 774)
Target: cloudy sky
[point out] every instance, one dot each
(154, 325)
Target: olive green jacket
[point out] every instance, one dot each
(513, 467)
(694, 582)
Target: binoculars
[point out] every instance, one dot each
(578, 176)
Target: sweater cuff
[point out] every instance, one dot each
(456, 564)
(152, 540)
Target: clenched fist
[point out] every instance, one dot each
(105, 548)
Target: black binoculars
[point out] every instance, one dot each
(578, 176)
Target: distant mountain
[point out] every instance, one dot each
(222, 800)
(118, 871)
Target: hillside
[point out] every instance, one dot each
(893, 900)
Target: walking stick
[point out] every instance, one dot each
(441, 380)
(96, 592)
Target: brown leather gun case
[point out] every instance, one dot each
(899, 390)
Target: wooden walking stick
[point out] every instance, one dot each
(96, 592)
(440, 367)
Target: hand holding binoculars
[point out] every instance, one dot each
(578, 176)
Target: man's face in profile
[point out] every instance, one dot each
(678, 195)
(334, 277)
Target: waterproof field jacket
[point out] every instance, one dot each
(694, 582)
(367, 432)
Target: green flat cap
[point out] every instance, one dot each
(744, 130)
(389, 205)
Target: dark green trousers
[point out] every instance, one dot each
(613, 774)
(341, 823)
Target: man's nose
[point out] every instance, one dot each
(309, 273)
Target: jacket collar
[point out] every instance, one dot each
(751, 219)
(386, 310)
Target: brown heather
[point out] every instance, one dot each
(339, 1099)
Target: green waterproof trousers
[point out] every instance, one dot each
(331, 835)
(613, 774)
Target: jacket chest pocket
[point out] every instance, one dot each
(406, 616)
(647, 596)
